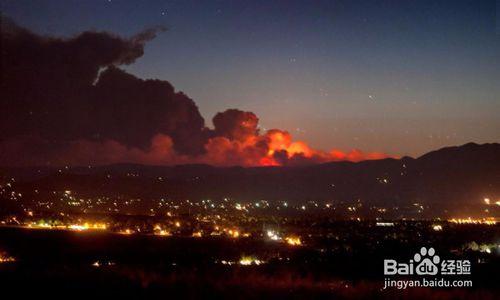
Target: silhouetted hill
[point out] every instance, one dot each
(450, 178)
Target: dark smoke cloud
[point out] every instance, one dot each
(50, 89)
(235, 124)
(132, 110)
(66, 101)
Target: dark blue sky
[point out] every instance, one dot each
(402, 77)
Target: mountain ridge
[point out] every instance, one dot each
(444, 180)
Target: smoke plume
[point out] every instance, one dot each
(66, 101)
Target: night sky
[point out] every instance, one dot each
(398, 77)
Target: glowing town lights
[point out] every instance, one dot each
(177, 224)
(162, 232)
(485, 248)
(248, 261)
(497, 203)
(126, 232)
(384, 224)
(437, 227)
(99, 226)
(293, 241)
(74, 227)
(197, 234)
(98, 264)
(5, 258)
(233, 233)
(487, 201)
(77, 227)
(42, 225)
(88, 226)
(469, 220)
(272, 235)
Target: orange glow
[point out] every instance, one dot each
(5, 258)
(233, 233)
(126, 232)
(268, 161)
(163, 233)
(242, 146)
(293, 241)
(278, 140)
(469, 220)
(300, 148)
(280, 143)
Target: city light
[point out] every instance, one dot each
(437, 227)
(384, 224)
(272, 235)
(77, 227)
(87, 226)
(5, 258)
(293, 241)
(163, 232)
(469, 220)
(249, 260)
(233, 233)
(126, 231)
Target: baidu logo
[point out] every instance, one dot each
(427, 262)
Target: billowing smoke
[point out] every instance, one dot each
(131, 111)
(67, 89)
(66, 101)
(236, 125)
